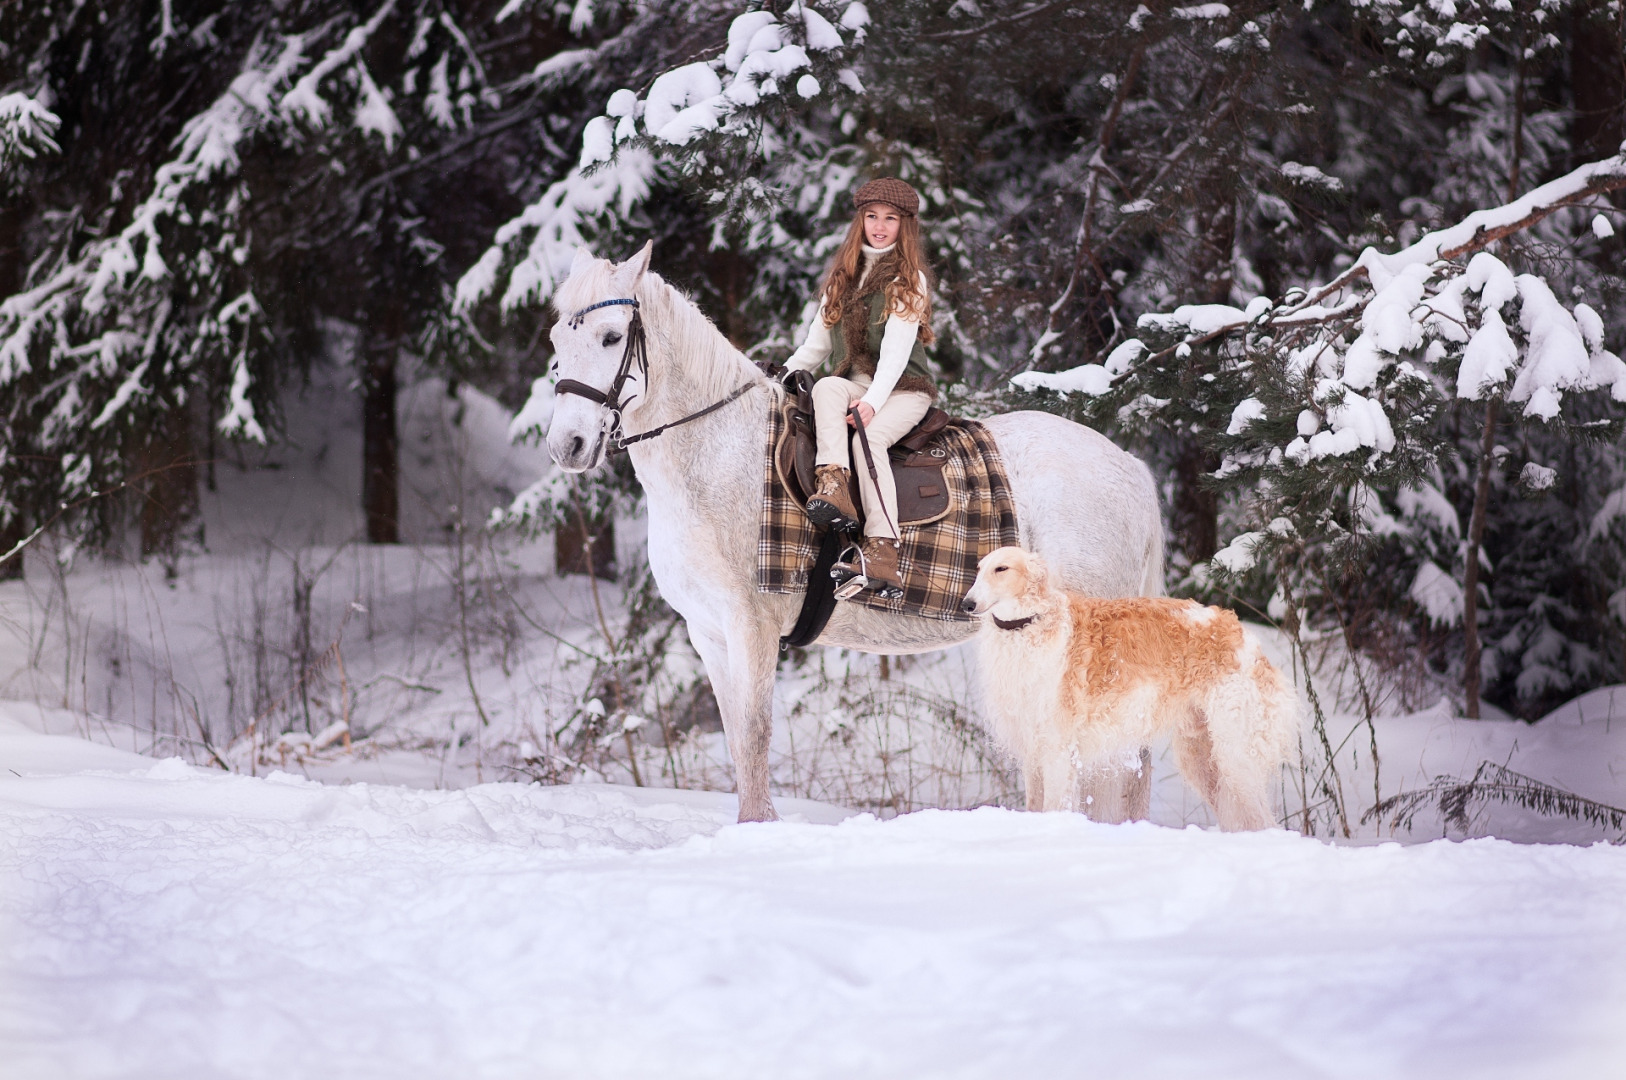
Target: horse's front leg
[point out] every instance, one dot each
(741, 662)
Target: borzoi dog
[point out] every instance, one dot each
(1073, 684)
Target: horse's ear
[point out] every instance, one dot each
(583, 261)
(629, 273)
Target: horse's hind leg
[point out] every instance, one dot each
(1116, 792)
(741, 668)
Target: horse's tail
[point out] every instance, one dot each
(1151, 579)
(1151, 583)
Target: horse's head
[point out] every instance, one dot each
(589, 344)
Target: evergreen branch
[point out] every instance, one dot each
(1476, 232)
(993, 24)
(1494, 783)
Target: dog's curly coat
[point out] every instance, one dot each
(1078, 683)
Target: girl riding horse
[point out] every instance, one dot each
(874, 322)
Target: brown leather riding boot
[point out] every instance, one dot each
(874, 568)
(831, 504)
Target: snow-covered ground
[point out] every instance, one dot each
(388, 910)
(166, 921)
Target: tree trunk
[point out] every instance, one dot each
(1195, 513)
(1598, 75)
(1470, 576)
(12, 272)
(10, 536)
(167, 485)
(380, 465)
(585, 546)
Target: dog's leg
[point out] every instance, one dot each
(1194, 756)
(1060, 788)
(1033, 780)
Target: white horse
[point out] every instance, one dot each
(1089, 509)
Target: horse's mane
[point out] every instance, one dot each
(694, 345)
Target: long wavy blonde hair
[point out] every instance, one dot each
(903, 293)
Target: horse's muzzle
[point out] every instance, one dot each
(577, 455)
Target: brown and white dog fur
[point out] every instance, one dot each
(1080, 683)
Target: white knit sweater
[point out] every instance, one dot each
(897, 342)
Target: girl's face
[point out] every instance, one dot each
(881, 224)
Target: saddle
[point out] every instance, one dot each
(917, 464)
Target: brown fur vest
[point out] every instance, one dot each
(863, 324)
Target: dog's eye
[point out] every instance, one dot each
(1000, 569)
(611, 337)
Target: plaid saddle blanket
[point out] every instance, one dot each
(937, 561)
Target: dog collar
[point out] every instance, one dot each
(1014, 624)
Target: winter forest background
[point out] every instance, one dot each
(301, 250)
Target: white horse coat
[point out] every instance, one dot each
(1083, 504)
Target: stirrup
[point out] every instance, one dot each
(854, 583)
(851, 585)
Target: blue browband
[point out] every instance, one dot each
(576, 319)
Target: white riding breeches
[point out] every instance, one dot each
(896, 417)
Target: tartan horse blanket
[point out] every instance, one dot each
(937, 561)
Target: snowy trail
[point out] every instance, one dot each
(181, 923)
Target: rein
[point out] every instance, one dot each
(1014, 624)
(637, 351)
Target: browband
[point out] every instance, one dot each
(576, 319)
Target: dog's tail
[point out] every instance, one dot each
(1278, 703)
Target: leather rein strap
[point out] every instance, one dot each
(869, 460)
(637, 351)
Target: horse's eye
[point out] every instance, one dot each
(611, 337)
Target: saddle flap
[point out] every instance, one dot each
(934, 421)
(923, 495)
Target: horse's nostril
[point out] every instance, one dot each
(576, 445)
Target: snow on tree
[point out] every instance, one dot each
(1336, 396)
(271, 166)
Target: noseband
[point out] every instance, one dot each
(637, 351)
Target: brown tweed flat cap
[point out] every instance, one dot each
(890, 190)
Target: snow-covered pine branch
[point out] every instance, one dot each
(162, 285)
(26, 128)
(705, 115)
(1332, 407)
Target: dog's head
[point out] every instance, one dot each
(1009, 579)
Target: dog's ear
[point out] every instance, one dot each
(1037, 573)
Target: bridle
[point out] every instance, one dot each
(636, 352)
